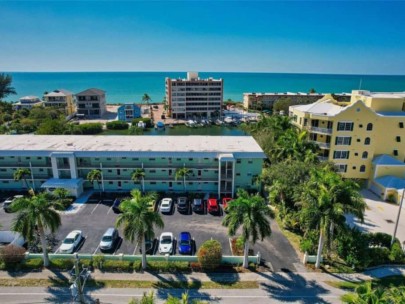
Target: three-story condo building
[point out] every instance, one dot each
(91, 103)
(217, 164)
(365, 137)
(193, 96)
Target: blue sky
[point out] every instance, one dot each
(359, 37)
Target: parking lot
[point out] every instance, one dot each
(96, 216)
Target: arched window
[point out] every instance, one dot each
(362, 168)
(367, 141)
(369, 127)
(365, 154)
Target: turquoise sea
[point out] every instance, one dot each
(124, 87)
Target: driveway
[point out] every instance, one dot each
(380, 216)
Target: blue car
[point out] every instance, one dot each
(185, 243)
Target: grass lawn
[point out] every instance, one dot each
(56, 282)
(394, 281)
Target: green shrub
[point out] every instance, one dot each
(379, 256)
(61, 264)
(146, 299)
(210, 254)
(148, 122)
(98, 261)
(91, 128)
(117, 125)
(12, 255)
(88, 263)
(111, 265)
(164, 266)
(353, 247)
(380, 239)
(309, 243)
(32, 264)
(396, 253)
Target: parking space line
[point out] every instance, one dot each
(109, 210)
(96, 249)
(96, 207)
(136, 247)
(56, 251)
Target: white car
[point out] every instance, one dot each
(166, 205)
(70, 243)
(166, 243)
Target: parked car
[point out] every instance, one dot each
(182, 204)
(225, 202)
(212, 205)
(7, 204)
(152, 205)
(149, 246)
(116, 205)
(166, 241)
(109, 239)
(166, 205)
(71, 242)
(185, 243)
(198, 205)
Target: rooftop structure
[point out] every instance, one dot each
(27, 102)
(61, 99)
(91, 103)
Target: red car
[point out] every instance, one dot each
(225, 202)
(212, 205)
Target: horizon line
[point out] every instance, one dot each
(228, 72)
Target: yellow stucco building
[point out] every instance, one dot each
(365, 137)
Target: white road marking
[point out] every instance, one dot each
(94, 209)
(136, 247)
(56, 251)
(96, 249)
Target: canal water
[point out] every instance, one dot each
(208, 130)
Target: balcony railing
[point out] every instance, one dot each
(323, 158)
(322, 145)
(320, 130)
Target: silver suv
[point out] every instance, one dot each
(109, 239)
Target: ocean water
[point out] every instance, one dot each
(124, 87)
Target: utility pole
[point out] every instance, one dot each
(78, 279)
(398, 216)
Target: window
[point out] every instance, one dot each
(341, 154)
(151, 159)
(343, 141)
(250, 162)
(360, 126)
(345, 126)
(135, 158)
(401, 125)
(358, 140)
(152, 171)
(356, 154)
(362, 168)
(108, 158)
(364, 155)
(398, 138)
(39, 158)
(367, 141)
(237, 174)
(354, 167)
(190, 159)
(395, 152)
(341, 168)
(238, 161)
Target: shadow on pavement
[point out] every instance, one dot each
(292, 287)
(177, 284)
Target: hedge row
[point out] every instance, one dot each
(117, 125)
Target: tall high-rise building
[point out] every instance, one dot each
(194, 97)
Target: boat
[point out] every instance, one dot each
(171, 126)
(191, 123)
(228, 120)
(160, 125)
(219, 122)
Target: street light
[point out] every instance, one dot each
(398, 216)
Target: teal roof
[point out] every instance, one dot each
(390, 181)
(387, 160)
(62, 183)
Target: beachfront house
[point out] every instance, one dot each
(127, 112)
(91, 103)
(61, 99)
(27, 102)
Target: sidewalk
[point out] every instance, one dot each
(218, 277)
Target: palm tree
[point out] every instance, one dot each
(137, 175)
(365, 293)
(182, 173)
(5, 86)
(95, 175)
(22, 174)
(146, 98)
(251, 214)
(326, 198)
(37, 214)
(138, 220)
